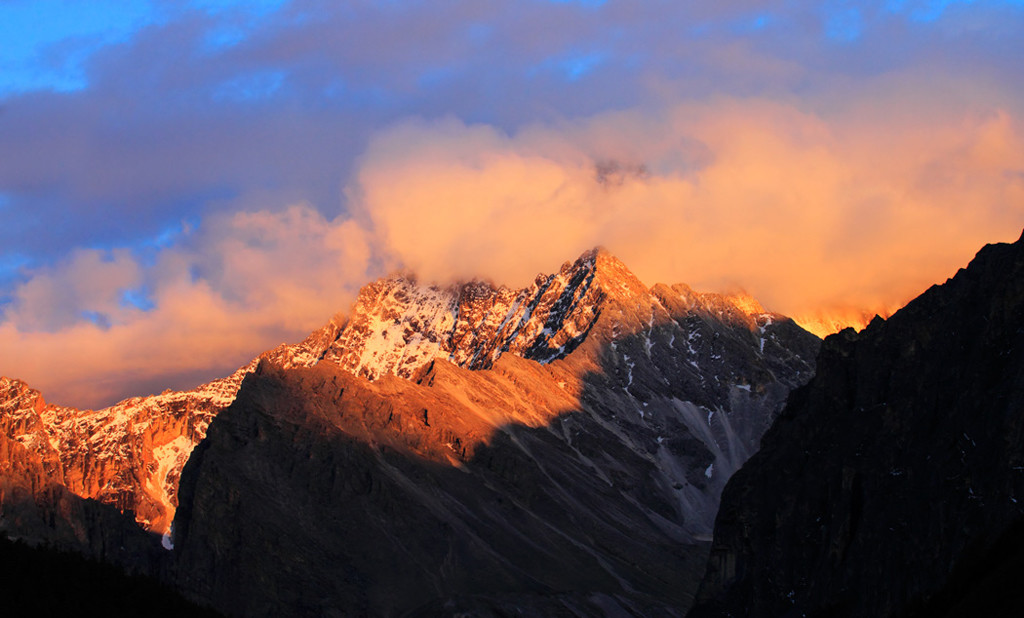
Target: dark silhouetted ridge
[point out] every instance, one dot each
(893, 483)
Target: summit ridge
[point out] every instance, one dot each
(398, 325)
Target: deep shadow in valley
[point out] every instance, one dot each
(45, 581)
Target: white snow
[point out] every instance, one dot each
(709, 470)
(508, 316)
(689, 345)
(385, 350)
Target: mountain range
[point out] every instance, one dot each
(451, 448)
(585, 446)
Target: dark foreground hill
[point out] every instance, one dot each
(893, 483)
(41, 581)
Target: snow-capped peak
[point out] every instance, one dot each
(398, 324)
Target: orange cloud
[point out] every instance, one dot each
(838, 206)
(268, 278)
(809, 212)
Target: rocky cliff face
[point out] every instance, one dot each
(36, 507)
(893, 483)
(558, 448)
(130, 455)
(398, 325)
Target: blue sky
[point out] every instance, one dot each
(135, 136)
(48, 43)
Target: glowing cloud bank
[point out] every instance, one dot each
(812, 214)
(188, 184)
(805, 211)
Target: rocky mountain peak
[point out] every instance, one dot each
(15, 394)
(20, 413)
(398, 324)
(541, 439)
(611, 273)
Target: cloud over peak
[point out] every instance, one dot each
(221, 176)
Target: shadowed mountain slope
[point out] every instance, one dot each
(393, 497)
(893, 483)
(579, 475)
